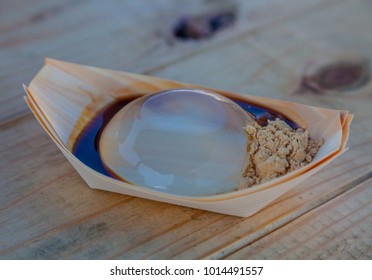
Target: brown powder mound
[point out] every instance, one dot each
(277, 149)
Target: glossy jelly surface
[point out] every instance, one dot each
(184, 142)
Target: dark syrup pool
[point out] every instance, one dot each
(86, 146)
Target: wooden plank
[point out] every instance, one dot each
(46, 210)
(339, 229)
(274, 78)
(57, 216)
(270, 62)
(124, 35)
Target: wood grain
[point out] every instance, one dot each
(48, 212)
(338, 229)
(169, 232)
(123, 35)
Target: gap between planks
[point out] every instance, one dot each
(230, 249)
(336, 230)
(359, 127)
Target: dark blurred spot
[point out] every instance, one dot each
(202, 26)
(340, 76)
(221, 21)
(43, 15)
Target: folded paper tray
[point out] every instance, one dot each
(64, 97)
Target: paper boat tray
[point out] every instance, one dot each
(64, 97)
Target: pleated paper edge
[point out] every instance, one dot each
(255, 99)
(345, 120)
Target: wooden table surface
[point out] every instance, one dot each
(280, 49)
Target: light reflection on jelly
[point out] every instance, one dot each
(184, 142)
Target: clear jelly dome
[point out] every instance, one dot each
(183, 142)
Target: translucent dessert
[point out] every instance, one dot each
(185, 142)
